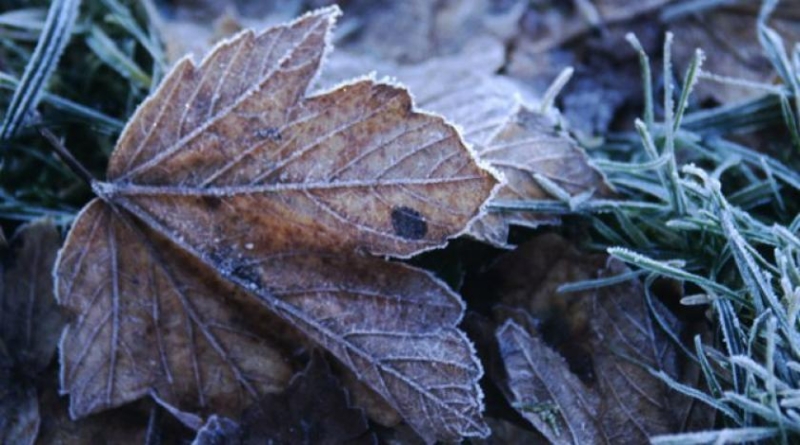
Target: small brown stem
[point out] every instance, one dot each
(66, 156)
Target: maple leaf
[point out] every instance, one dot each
(506, 133)
(236, 223)
(517, 141)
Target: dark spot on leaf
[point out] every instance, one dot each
(212, 202)
(409, 223)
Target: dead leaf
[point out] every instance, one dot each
(543, 390)
(525, 280)
(728, 37)
(30, 324)
(30, 319)
(488, 108)
(617, 400)
(464, 88)
(239, 213)
(314, 409)
(530, 145)
(431, 29)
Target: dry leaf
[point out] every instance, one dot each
(550, 26)
(605, 90)
(525, 281)
(528, 145)
(30, 319)
(431, 29)
(239, 213)
(515, 140)
(464, 88)
(314, 409)
(610, 399)
(728, 37)
(543, 390)
(30, 324)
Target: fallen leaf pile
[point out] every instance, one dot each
(578, 366)
(498, 117)
(240, 220)
(239, 278)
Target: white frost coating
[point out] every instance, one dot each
(190, 420)
(483, 164)
(56, 34)
(119, 190)
(473, 352)
(395, 83)
(473, 154)
(330, 13)
(368, 77)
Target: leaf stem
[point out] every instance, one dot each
(66, 156)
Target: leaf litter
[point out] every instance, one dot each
(502, 121)
(579, 366)
(241, 218)
(314, 408)
(30, 324)
(499, 117)
(237, 313)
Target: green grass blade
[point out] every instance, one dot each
(52, 41)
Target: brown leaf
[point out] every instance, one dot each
(238, 214)
(515, 140)
(151, 319)
(617, 400)
(313, 409)
(526, 282)
(605, 90)
(30, 319)
(543, 390)
(528, 145)
(551, 26)
(728, 37)
(431, 29)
